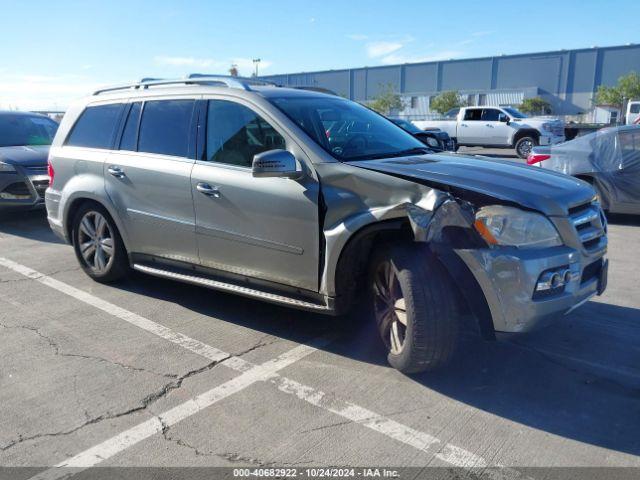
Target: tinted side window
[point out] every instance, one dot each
(473, 114)
(130, 134)
(96, 127)
(235, 134)
(490, 115)
(165, 127)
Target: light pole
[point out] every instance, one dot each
(256, 62)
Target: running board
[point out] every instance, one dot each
(229, 287)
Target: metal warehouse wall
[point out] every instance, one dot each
(566, 78)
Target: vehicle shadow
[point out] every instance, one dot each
(579, 379)
(31, 224)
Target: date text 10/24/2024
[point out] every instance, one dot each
(317, 472)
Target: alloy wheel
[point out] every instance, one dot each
(525, 147)
(95, 241)
(389, 307)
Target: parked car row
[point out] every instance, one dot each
(315, 202)
(608, 159)
(499, 127)
(24, 146)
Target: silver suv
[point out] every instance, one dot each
(243, 187)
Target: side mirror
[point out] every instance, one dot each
(503, 118)
(275, 163)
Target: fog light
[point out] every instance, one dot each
(553, 281)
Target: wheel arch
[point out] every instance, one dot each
(73, 205)
(524, 132)
(352, 267)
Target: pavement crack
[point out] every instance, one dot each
(57, 351)
(144, 404)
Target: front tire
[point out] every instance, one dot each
(414, 305)
(525, 145)
(98, 245)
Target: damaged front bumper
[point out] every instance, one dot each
(510, 279)
(524, 288)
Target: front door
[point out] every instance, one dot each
(265, 228)
(498, 133)
(149, 178)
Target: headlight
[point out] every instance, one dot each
(501, 225)
(6, 168)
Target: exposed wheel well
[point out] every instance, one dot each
(353, 266)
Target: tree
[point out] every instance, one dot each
(534, 106)
(628, 88)
(386, 101)
(446, 101)
(233, 71)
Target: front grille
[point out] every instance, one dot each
(18, 188)
(589, 223)
(40, 186)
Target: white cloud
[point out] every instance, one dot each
(41, 92)
(380, 49)
(357, 37)
(483, 33)
(245, 65)
(187, 62)
(433, 57)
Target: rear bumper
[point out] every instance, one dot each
(54, 218)
(508, 278)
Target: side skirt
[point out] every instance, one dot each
(324, 304)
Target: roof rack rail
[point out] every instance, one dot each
(191, 79)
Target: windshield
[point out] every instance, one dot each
(406, 125)
(347, 130)
(514, 113)
(18, 130)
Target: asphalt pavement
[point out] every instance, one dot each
(149, 372)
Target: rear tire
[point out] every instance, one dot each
(414, 305)
(524, 146)
(98, 245)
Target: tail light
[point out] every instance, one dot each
(534, 158)
(51, 172)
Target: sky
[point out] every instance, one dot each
(54, 51)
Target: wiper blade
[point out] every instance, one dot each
(401, 153)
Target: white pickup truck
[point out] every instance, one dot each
(499, 127)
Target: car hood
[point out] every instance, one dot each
(534, 188)
(26, 156)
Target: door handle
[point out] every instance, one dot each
(208, 190)
(116, 171)
(488, 125)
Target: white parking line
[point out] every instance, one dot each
(144, 430)
(421, 441)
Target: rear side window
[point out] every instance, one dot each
(165, 127)
(130, 133)
(473, 114)
(96, 127)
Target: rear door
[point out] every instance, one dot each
(265, 228)
(148, 178)
(472, 130)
